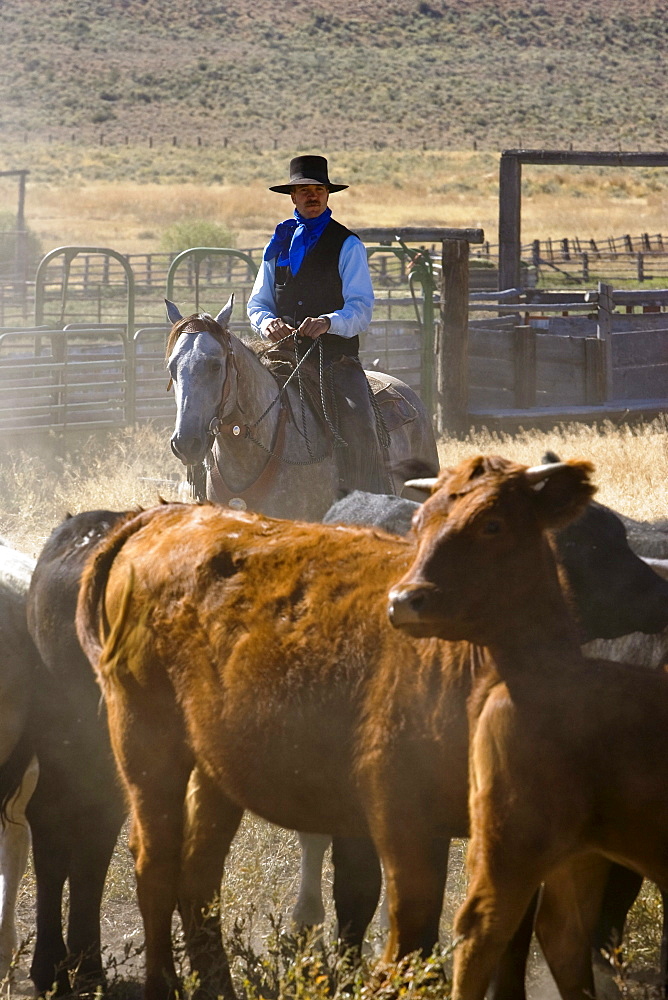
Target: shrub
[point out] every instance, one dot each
(197, 233)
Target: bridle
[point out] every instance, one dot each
(254, 492)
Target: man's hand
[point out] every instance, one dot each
(314, 327)
(277, 329)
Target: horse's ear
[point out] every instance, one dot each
(173, 314)
(223, 317)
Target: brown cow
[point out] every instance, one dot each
(560, 784)
(248, 663)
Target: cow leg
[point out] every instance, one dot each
(50, 858)
(510, 975)
(357, 885)
(155, 842)
(309, 910)
(14, 849)
(149, 743)
(567, 915)
(89, 864)
(621, 890)
(415, 870)
(499, 894)
(211, 823)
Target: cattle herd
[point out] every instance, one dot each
(398, 675)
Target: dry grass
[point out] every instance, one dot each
(432, 188)
(631, 462)
(39, 485)
(111, 470)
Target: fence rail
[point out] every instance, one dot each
(529, 351)
(638, 259)
(94, 377)
(549, 356)
(98, 283)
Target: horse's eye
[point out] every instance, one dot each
(215, 366)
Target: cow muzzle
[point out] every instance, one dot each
(408, 606)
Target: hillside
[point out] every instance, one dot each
(336, 73)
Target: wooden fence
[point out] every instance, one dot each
(561, 356)
(96, 283)
(521, 356)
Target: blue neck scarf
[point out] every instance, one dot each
(293, 239)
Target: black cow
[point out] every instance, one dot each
(77, 809)
(18, 768)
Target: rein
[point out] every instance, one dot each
(252, 494)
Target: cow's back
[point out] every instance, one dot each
(274, 638)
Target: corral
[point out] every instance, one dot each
(479, 355)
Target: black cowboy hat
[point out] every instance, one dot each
(308, 170)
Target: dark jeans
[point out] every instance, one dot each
(361, 462)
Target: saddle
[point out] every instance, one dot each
(394, 409)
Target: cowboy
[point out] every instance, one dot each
(314, 282)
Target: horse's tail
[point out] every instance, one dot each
(12, 770)
(93, 629)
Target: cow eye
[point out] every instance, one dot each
(492, 527)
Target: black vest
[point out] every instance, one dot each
(316, 289)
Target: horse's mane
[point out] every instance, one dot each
(206, 322)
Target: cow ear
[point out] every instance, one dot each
(223, 317)
(561, 494)
(173, 314)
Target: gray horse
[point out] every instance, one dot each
(268, 447)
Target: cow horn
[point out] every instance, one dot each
(537, 474)
(422, 484)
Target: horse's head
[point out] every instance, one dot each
(201, 365)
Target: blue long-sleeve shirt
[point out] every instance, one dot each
(349, 321)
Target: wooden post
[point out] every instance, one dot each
(604, 333)
(22, 245)
(510, 181)
(524, 365)
(595, 379)
(452, 360)
(535, 255)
